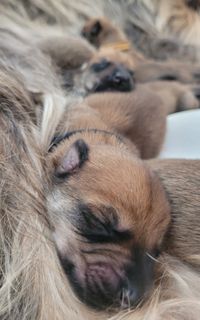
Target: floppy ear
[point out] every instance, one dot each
(74, 158)
(96, 29)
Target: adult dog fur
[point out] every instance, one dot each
(158, 28)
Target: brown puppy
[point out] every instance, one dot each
(88, 266)
(91, 169)
(115, 46)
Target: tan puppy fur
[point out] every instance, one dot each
(141, 114)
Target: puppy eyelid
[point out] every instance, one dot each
(100, 66)
(101, 229)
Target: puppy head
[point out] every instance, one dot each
(109, 215)
(99, 31)
(108, 71)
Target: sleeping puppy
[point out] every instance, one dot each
(102, 240)
(113, 45)
(104, 204)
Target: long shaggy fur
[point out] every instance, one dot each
(33, 286)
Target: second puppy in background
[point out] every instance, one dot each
(114, 45)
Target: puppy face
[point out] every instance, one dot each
(109, 216)
(107, 71)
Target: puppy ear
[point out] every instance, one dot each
(96, 29)
(74, 158)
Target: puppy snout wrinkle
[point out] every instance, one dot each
(125, 286)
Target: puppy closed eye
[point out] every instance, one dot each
(101, 228)
(100, 66)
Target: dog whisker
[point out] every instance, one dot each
(152, 258)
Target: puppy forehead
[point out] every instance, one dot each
(114, 177)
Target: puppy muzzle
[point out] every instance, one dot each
(106, 286)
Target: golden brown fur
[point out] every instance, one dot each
(141, 114)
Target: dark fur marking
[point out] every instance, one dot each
(100, 66)
(101, 228)
(59, 138)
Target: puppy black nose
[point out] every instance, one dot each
(122, 79)
(139, 279)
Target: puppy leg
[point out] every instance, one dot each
(175, 96)
(167, 71)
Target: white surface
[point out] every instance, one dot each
(182, 136)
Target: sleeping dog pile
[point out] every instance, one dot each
(90, 228)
